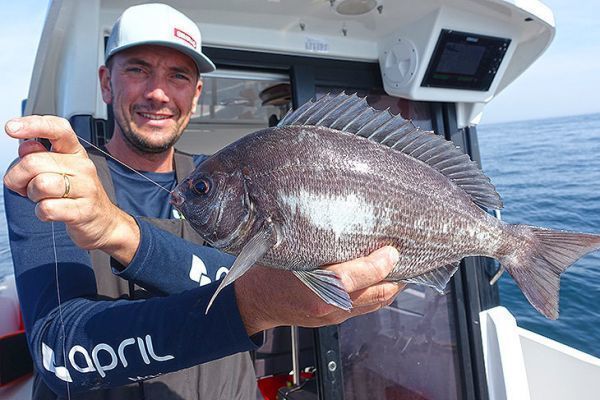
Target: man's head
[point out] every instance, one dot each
(152, 75)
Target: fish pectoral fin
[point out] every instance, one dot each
(328, 286)
(250, 254)
(437, 279)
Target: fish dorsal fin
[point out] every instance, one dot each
(352, 114)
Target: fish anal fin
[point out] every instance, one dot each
(437, 279)
(328, 286)
(353, 114)
(256, 247)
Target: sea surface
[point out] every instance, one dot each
(548, 174)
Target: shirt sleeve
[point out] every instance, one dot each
(80, 342)
(181, 267)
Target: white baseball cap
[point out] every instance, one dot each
(158, 24)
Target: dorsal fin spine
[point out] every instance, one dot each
(405, 141)
(424, 147)
(438, 153)
(353, 120)
(353, 115)
(312, 119)
(381, 127)
(334, 109)
(418, 143)
(290, 118)
(353, 109)
(452, 163)
(436, 163)
(372, 123)
(431, 150)
(391, 135)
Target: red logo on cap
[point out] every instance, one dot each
(185, 37)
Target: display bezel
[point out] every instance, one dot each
(494, 49)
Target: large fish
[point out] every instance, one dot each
(336, 180)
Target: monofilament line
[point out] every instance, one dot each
(123, 164)
(62, 322)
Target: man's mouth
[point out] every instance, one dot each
(154, 117)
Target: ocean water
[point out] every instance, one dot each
(548, 174)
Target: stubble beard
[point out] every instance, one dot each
(141, 145)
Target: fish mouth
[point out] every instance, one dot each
(177, 199)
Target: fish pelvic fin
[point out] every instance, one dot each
(537, 264)
(328, 286)
(250, 254)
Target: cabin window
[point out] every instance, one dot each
(233, 104)
(409, 349)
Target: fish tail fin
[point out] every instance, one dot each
(543, 255)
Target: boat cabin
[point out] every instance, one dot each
(435, 62)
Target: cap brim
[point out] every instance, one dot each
(202, 62)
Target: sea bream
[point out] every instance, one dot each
(337, 179)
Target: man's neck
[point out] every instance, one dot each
(149, 162)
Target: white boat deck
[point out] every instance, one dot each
(523, 365)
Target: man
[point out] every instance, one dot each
(85, 329)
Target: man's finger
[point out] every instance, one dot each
(18, 177)
(366, 271)
(30, 146)
(60, 210)
(51, 186)
(57, 130)
(380, 293)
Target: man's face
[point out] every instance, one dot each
(154, 91)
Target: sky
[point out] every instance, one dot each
(563, 81)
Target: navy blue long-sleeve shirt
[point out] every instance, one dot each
(89, 342)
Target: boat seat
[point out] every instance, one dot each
(15, 360)
(95, 130)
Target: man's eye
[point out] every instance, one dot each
(134, 70)
(182, 77)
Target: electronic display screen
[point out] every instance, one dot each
(464, 60)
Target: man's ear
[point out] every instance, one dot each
(197, 95)
(104, 76)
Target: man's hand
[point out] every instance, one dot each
(270, 297)
(64, 184)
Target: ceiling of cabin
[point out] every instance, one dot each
(317, 16)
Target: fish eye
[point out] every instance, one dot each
(201, 187)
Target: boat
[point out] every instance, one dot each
(436, 62)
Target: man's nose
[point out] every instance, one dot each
(156, 90)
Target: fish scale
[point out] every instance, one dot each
(305, 194)
(333, 251)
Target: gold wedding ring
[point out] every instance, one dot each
(67, 186)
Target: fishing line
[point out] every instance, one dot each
(123, 164)
(62, 322)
